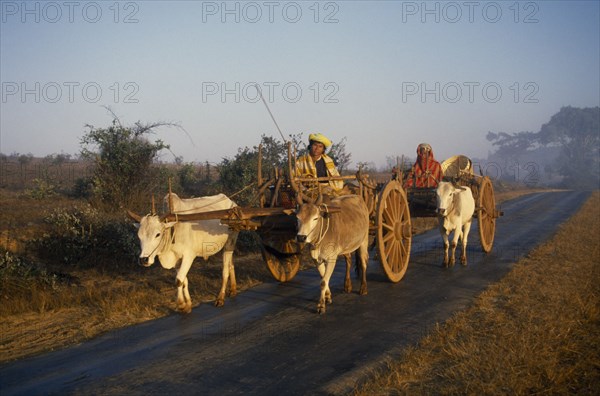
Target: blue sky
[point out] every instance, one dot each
(386, 75)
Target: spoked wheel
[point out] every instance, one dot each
(486, 214)
(283, 266)
(394, 235)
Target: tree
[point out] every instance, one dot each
(574, 131)
(337, 151)
(123, 157)
(577, 132)
(238, 174)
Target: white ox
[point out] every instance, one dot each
(182, 241)
(333, 234)
(455, 208)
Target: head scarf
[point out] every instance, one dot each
(317, 137)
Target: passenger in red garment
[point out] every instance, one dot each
(426, 172)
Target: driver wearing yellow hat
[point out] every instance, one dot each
(318, 164)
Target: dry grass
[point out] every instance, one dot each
(48, 319)
(535, 332)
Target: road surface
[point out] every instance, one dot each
(270, 340)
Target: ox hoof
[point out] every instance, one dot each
(321, 307)
(219, 302)
(186, 309)
(363, 291)
(232, 293)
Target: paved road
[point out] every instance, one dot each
(269, 340)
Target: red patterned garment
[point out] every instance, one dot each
(426, 172)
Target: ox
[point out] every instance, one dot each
(333, 234)
(455, 207)
(181, 242)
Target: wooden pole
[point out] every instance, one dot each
(170, 197)
(259, 179)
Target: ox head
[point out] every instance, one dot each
(445, 196)
(153, 233)
(307, 216)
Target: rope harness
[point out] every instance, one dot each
(323, 219)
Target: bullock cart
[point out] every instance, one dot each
(390, 210)
(274, 222)
(459, 170)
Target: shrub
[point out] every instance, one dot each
(82, 188)
(16, 271)
(42, 189)
(81, 236)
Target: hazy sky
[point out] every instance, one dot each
(385, 74)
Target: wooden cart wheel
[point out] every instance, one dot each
(486, 214)
(283, 266)
(394, 235)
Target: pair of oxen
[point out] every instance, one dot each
(329, 233)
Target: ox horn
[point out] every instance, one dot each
(319, 200)
(134, 216)
(299, 199)
(153, 206)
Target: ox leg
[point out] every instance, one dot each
(228, 271)
(184, 300)
(348, 281)
(321, 269)
(446, 246)
(465, 237)
(325, 292)
(362, 255)
(228, 275)
(455, 237)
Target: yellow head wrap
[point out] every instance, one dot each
(317, 137)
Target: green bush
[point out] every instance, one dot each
(82, 237)
(17, 271)
(82, 188)
(42, 189)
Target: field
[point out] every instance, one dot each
(40, 317)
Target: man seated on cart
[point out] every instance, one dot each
(426, 172)
(318, 164)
